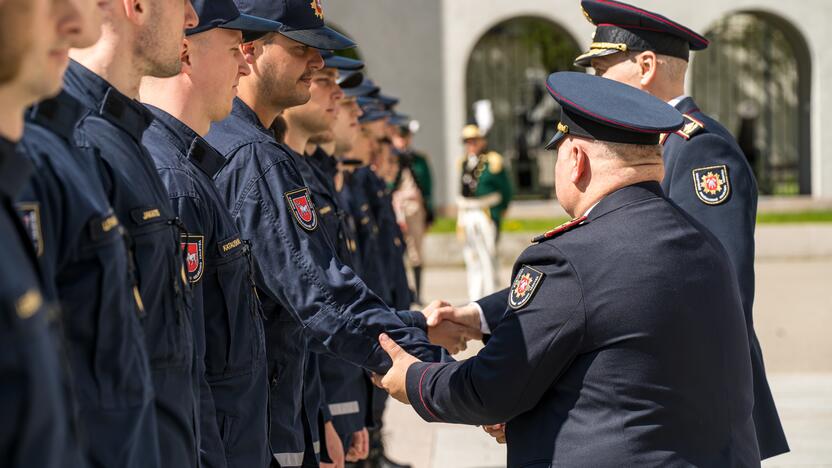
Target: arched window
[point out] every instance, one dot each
(755, 79)
(508, 67)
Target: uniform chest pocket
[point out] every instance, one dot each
(233, 324)
(164, 287)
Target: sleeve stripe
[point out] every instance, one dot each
(421, 397)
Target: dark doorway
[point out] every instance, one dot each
(755, 79)
(508, 67)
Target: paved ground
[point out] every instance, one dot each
(793, 316)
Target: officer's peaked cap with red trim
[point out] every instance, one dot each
(598, 108)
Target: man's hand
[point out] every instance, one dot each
(395, 381)
(451, 329)
(497, 431)
(452, 336)
(359, 446)
(440, 311)
(334, 447)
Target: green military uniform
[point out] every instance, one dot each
(421, 172)
(487, 177)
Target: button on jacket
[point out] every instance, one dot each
(226, 314)
(87, 269)
(113, 127)
(35, 428)
(624, 344)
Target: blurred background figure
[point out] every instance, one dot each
(483, 199)
(412, 197)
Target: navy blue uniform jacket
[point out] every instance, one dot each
(112, 127)
(35, 427)
(304, 288)
(227, 318)
(731, 217)
(87, 269)
(627, 347)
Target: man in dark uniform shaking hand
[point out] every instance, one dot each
(624, 341)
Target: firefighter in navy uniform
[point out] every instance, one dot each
(111, 126)
(228, 329)
(706, 173)
(624, 341)
(299, 278)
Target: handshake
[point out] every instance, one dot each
(452, 327)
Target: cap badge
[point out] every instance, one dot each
(711, 184)
(318, 8)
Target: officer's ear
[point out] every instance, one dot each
(579, 162)
(647, 64)
(185, 56)
(136, 11)
(253, 50)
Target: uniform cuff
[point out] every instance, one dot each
(413, 319)
(417, 376)
(484, 328)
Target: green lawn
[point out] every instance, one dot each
(448, 225)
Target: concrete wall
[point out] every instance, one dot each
(419, 49)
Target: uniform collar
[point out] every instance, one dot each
(687, 106)
(59, 114)
(14, 169)
(96, 93)
(241, 110)
(188, 143)
(673, 102)
(625, 196)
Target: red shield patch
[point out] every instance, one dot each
(193, 247)
(300, 203)
(524, 286)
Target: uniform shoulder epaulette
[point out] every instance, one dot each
(691, 128)
(559, 230)
(495, 162)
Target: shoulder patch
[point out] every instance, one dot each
(301, 206)
(30, 215)
(711, 184)
(691, 128)
(524, 286)
(560, 229)
(194, 248)
(495, 162)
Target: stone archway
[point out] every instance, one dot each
(755, 78)
(508, 66)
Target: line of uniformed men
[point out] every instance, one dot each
(179, 286)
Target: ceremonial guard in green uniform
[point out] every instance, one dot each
(484, 197)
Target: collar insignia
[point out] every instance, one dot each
(560, 229)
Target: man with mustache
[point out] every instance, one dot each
(228, 329)
(144, 38)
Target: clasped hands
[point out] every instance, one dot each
(448, 326)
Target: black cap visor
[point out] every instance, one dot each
(343, 63)
(350, 80)
(585, 59)
(324, 38)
